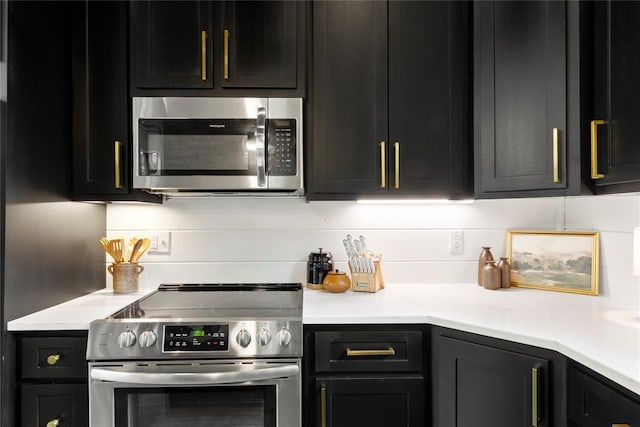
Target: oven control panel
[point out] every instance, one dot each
(179, 338)
(117, 340)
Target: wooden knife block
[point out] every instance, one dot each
(367, 282)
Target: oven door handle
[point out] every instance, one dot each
(193, 378)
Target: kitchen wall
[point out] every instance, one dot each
(265, 239)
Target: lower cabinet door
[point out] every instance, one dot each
(593, 403)
(482, 386)
(49, 405)
(349, 401)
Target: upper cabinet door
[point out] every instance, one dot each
(259, 44)
(521, 120)
(390, 106)
(172, 44)
(101, 128)
(347, 151)
(617, 90)
(429, 99)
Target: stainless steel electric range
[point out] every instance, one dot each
(202, 355)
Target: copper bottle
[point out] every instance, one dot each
(491, 276)
(485, 256)
(505, 272)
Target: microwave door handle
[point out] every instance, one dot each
(260, 147)
(193, 378)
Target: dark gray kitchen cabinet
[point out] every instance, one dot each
(53, 379)
(365, 375)
(101, 127)
(615, 155)
(594, 401)
(218, 48)
(172, 44)
(484, 382)
(259, 42)
(527, 106)
(390, 101)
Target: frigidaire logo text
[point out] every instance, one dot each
(216, 126)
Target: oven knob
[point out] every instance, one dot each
(243, 338)
(148, 338)
(265, 336)
(126, 339)
(284, 336)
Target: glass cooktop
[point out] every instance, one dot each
(218, 301)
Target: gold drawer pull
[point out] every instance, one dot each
(534, 397)
(203, 55)
(225, 55)
(594, 149)
(323, 405)
(383, 165)
(396, 146)
(556, 155)
(52, 359)
(117, 158)
(53, 423)
(385, 352)
(620, 425)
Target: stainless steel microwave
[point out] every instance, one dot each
(215, 145)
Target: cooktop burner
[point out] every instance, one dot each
(217, 301)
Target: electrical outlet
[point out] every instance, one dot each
(160, 242)
(456, 242)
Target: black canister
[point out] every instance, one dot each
(319, 265)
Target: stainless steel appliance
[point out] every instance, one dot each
(199, 355)
(217, 144)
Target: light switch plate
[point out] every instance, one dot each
(160, 242)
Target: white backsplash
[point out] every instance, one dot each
(269, 239)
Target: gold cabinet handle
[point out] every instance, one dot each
(323, 405)
(396, 146)
(118, 157)
(594, 149)
(225, 58)
(203, 55)
(556, 155)
(385, 352)
(383, 165)
(620, 425)
(534, 397)
(53, 423)
(52, 359)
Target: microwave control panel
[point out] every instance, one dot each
(281, 142)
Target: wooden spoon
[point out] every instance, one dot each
(135, 256)
(136, 247)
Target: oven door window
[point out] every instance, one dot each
(229, 406)
(187, 147)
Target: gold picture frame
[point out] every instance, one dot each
(564, 261)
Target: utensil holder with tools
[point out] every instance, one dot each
(368, 282)
(125, 268)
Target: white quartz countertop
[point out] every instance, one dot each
(75, 314)
(590, 330)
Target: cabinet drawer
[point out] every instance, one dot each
(360, 351)
(54, 357)
(43, 404)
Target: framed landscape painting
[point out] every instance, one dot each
(564, 261)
